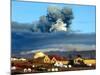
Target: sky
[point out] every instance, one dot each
(28, 12)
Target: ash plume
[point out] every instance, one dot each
(53, 14)
(47, 21)
(59, 26)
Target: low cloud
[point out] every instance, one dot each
(63, 47)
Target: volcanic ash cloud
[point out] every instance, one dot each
(59, 26)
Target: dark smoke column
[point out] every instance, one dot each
(54, 13)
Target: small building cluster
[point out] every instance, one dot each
(50, 59)
(42, 62)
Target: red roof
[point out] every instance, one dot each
(24, 64)
(60, 58)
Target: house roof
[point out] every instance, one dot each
(22, 64)
(60, 58)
